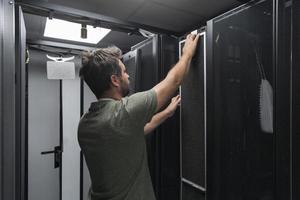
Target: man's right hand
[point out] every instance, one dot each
(190, 45)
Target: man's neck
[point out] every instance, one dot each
(112, 95)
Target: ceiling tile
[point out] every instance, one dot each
(207, 8)
(112, 8)
(162, 16)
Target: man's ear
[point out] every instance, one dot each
(115, 81)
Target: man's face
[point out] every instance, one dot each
(124, 80)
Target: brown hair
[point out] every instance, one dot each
(98, 66)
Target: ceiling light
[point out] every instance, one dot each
(61, 29)
(83, 31)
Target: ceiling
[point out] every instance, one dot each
(178, 16)
(174, 15)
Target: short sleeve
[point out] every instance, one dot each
(141, 106)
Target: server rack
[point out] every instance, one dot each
(193, 126)
(147, 64)
(244, 161)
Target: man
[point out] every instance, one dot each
(111, 133)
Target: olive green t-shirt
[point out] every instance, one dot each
(111, 137)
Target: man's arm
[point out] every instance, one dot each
(166, 88)
(160, 117)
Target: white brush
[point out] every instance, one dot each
(265, 100)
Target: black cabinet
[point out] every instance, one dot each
(147, 64)
(241, 83)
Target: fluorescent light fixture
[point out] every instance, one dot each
(61, 29)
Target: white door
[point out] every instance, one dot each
(53, 116)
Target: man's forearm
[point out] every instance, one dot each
(156, 120)
(179, 71)
(173, 80)
(166, 88)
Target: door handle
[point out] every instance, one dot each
(57, 155)
(47, 152)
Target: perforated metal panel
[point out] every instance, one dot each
(296, 103)
(193, 122)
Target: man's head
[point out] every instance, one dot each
(103, 71)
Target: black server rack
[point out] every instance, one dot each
(295, 125)
(148, 63)
(240, 150)
(248, 54)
